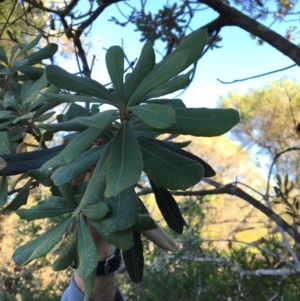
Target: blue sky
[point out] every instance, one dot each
(239, 57)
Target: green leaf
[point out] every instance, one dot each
(74, 98)
(168, 69)
(77, 167)
(96, 211)
(67, 255)
(145, 223)
(29, 46)
(3, 56)
(194, 43)
(13, 52)
(95, 189)
(65, 80)
(134, 259)
(177, 83)
(74, 149)
(87, 252)
(168, 208)
(44, 117)
(31, 72)
(156, 115)
(203, 122)
(143, 67)
(53, 206)
(125, 162)
(115, 67)
(100, 120)
(171, 169)
(124, 211)
(208, 171)
(3, 190)
(23, 117)
(67, 192)
(21, 198)
(4, 144)
(75, 110)
(89, 283)
(42, 245)
(64, 126)
(42, 176)
(121, 239)
(45, 53)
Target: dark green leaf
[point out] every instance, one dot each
(96, 211)
(125, 162)
(173, 171)
(42, 176)
(100, 120)
(168, 208)
(203, 122)
(67, 192)
(143, 67)
(42, 245)
(4, 145)
(121, 239)
(77, 167)
(208, 171)
(87, 252)
(156, 115)
(30, 45)
(3, 56)
(115, 67)
(74, 149)
(124, 211)
(66, 256)
(134, 259)
(3, 190)
(44, 117)
(75, 110)
(95, 189)
(64, 126)
(31, 72)
(168, 69)
(145, 223)
(53, 206)
(21, 198)
(89, 283)
(65, 80)
(177, 83)
(45, 53)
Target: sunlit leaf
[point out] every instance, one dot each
(125, 162)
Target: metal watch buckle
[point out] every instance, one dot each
(107, 265)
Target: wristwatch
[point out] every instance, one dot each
(107, 266)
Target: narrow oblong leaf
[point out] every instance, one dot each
(115, 66)
(134, 259)
(121, 239)
(96, 186)
(3, 56)
(87, 252)
(203, 122)
(3, 190)
(30, 45)
(125, 162)
(158, 116)
(100, 120)
(45, 53)
(77, 167)
(145, 223)
(173, 171)
(143, 67)
(67, 255)
(65, 80)
(89, 283)
(74, 149)
(21, 198)
(160, 237)
(42, 245)
(53, 206)
(168, 69)
(67, 192)
(168, 208)
(4, 144)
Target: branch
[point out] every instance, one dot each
(233, 17)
